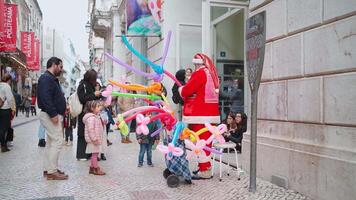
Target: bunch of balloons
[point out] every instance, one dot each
(159, 105)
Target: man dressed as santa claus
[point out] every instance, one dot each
(201, 104)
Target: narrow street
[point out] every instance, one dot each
(21, 175)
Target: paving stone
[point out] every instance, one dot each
(21, 175)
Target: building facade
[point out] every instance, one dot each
(29, 19)
(306, 117)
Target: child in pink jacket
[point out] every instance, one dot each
(94, 130)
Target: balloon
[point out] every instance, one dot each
(138, 109)
(124, 129)
(177, 131)
(196, 149)
(157, 132)
(153, 88)
(217, 132)
(173, 78)
(129, 67)
(166, 47)
(170, 150)
(107, 93)
(142, 122)
(142, 113)
(212, 150)
(158, 69)
(151, 96)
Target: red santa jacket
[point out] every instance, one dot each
(201, 103)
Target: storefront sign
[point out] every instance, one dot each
(255, 48)
(28, 47)
(8, 36)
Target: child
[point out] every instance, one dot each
(94, 131)
(146, 142)
(69, 125)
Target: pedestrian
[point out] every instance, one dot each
(86, 92)
(105, 120)
(69, 124)
(52, 103)
(201, 104)
(27, 104)
(126, 104)
(188, 74)
(33, 105)
(180, 75)
(7, 110)
(146, 142)
(18, 102)
(94, 133)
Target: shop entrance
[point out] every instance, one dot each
(225, 42)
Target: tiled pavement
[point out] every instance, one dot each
(21, 175)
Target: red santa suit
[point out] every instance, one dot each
(201, 101)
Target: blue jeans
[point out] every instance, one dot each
(41, 132)
(145, 148)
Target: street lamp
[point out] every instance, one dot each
(88, 27)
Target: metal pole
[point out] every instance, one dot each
(54, 39)
(253, 140)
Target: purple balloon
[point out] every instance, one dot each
(212, 150)
(156, 132)
(129, 67)
(166, 47)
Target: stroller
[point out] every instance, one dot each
(177, 167)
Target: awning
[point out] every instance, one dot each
(18, 58)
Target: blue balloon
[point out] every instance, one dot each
(158, 69)
(178, 128)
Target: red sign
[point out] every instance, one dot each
(1, 17)
(28, 47)
(8, 36)
(36, 57)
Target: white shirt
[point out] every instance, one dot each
(7, 96)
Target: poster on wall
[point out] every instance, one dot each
(143, 17)
(8, 36)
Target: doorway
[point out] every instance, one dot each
(225, 43)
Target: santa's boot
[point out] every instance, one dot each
(202, 175)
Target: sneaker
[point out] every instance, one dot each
(151, 165)
(140, 165)
(10, 144)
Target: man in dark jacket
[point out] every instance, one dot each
(52, 103)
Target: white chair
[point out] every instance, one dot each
(221, 147)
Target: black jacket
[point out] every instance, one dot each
(50, 98)
(86, 92)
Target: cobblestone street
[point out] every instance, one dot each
(21, 175)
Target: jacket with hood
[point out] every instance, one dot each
(93, 128)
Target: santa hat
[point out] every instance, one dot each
(204, 59)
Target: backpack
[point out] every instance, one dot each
(75, 106)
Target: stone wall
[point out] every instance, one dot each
(306, 111)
